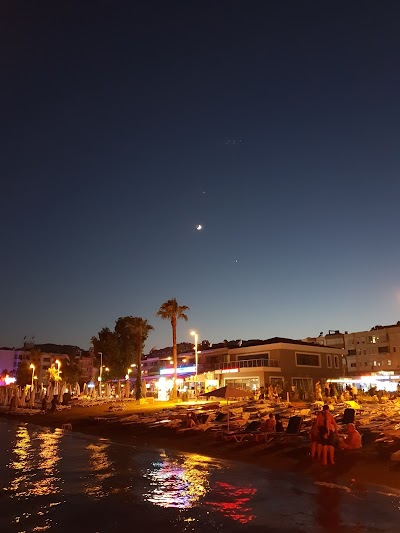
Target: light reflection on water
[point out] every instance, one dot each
(102, 469)
(177, 483)
(50, 481)
(33, 453)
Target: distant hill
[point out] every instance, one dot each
(60, 349)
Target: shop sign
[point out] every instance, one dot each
(179, 370)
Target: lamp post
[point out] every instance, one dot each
(58, 363)
(33, 373)
(194, 333)
(101, 372)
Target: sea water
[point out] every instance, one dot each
(55, 481)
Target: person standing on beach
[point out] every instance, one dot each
(316, 447)
(318, 392)
(327, 429)
(53, 405)
(44, 404)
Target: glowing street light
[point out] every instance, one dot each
(196, 338)
(33, 373)
(101, 371)
(58, 363)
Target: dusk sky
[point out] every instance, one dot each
(273, 124)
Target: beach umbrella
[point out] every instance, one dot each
(63, 388)
(50, 392)
(77, 389)
(229, 393)
(32, 399)
(22, 399)
(127, 388)
(118, 393)
(17, 396)
(107, 390)
(42, 393)
(5, 399)
(85, 389)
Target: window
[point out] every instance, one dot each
(308, 359)
(366, 363)
(353, 365)
(365, 352)
(389, 362)
(394, 349)
(383, 349)
(329, 361)
(303, 383)
(352, 352)
(336, 361)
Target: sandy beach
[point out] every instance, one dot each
(368, 467)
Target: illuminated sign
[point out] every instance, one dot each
(229, 370)
(180, 370)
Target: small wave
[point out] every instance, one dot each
(333, 486)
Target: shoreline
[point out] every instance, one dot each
(367, 468)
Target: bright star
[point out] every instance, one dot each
(199, 227)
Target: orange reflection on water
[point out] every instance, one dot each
(35, 469)
(178, 483)
(23, 462)
(102, 468)
(235, 502)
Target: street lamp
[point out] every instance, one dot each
(194, 333)
(101, 371)
(58, 363)
(33, 373)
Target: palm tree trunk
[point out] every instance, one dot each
(139, 365)
(175, 357)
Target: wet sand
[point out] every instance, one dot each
(367, 467)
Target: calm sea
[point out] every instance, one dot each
(50, 481)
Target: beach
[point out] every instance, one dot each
(366, 467)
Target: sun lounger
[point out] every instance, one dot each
(239, 436)
(292, 431)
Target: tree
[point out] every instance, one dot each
(171, 310)
(107, 344)
(24, 373)
(120, 348)
(72, 372)
(137, 330)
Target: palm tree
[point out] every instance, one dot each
(170, 310)
(138, 330)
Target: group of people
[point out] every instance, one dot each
(272, 393)
(324, 437)
(330, 391)
(273, 424)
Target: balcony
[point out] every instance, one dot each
(248, 363)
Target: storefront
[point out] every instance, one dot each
(384, 381)
(236, 377)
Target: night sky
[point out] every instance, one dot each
(273, 124)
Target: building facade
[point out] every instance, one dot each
(374, 350)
